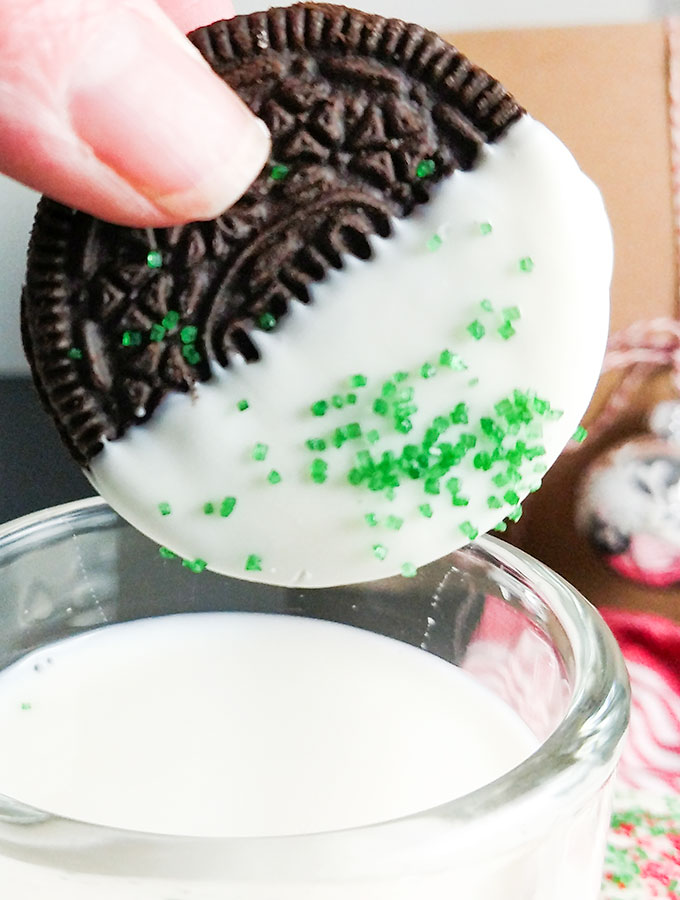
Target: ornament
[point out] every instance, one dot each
(629, 503)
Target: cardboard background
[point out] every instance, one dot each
(603, 91)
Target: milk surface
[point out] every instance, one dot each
(223, 724)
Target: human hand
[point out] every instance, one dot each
(105, 106)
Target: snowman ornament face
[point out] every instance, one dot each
(629, 503)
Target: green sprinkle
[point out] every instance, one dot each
(425, 168)
(260, 452)
(337, 401)
(526, 264)
(274, 477)
(485, 227)
(254, 563)
(353, 430)
(131, 338)
(476, 329)
(394, 522)
(427, 370)
(408, 570)
(511, 497)
(166, 553)
(425, 510)
(279, 172)
(431, 486)
(188, 334)
(75, 353)
(403, 426)
(318, 470)
(459, 414)
(339, 437)
(355, 476)
(494, 502)
(267, 321)
(434, 243)
(26, 706)
(364, 459)
(533, 452)
(208, 508)
(500, 527)
(372, 436)
(371, 519)
(516, 514)
(316, 444)
(320, 408)
(351, 399)
(164, 509)
(451, 360)
(242, 405)
(357, 381)
(511, 313)
(404, 396)
(469, 530)
(486, 305)
(157, 333)
(483, 461)
(227, 506)
(191, 354)
(473, 382)
(453, 485)
(380, 406)
(154, 259)
(579, 435)
(170, 320)
(400, 376)
(506, 330)
(492, 429)
(379, 551)
(195, 565)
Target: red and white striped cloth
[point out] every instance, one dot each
(651, 647)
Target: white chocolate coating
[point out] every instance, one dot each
(393, 313)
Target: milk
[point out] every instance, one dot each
(235, 724)
(228, 724)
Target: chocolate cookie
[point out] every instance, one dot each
(367, 114)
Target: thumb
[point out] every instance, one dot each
(104, 105)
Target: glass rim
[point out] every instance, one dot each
(579, 752)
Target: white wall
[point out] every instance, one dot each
(17, 203)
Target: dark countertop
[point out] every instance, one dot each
(35, 469)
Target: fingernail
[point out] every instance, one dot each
(153, 111)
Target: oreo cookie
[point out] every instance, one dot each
(366, 115)
(365, 363)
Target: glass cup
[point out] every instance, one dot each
(536, 833)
